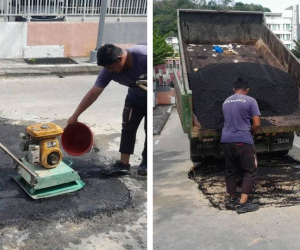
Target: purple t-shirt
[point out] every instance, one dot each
(129, 78)
(238, 111)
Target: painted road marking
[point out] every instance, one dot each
(169, 110)
(156, 142)
(295, 144)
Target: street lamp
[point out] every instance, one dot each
(93, 54)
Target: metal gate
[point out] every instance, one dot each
(71, 7)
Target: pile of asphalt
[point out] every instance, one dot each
(101, 195)
(278, 182)
(274, 90)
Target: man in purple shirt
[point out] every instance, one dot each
(125, 67)
(240, 111)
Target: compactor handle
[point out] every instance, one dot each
(18, 163)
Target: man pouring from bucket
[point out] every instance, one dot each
(125, 67)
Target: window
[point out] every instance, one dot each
(286, 26)
(278, 35)
(288, 46)
(275, 26)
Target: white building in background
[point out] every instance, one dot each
(173, 41)
(285, 25)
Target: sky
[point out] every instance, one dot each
(274, 5)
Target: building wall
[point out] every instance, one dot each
(56, 39)
(12, 39)
(80, 38)
(285, 25)
(165, 97)
(173, 41)
(164, 76)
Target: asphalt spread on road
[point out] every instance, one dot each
(101, 195)
(278, 182)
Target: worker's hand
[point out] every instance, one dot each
(72, 120)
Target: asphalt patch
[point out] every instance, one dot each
(274, 90)
(101, 195)
(278, 183)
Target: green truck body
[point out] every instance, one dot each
(206, 27)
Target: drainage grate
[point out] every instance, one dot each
(47, 61)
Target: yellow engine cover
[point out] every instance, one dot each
(51, 154)
(44, 130)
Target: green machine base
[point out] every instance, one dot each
(50, 182)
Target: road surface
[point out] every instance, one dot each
(184, 218)
(109, 213)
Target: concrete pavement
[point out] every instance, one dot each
(18, 68)
(160, 116)
(43, 99)
(184, 219)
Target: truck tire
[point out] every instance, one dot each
(279, 154)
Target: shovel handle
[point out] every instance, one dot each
(141, 83)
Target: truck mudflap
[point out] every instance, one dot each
(263, 144)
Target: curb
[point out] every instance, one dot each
(162, 121)
(51, 70)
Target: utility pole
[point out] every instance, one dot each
(93, 54)
(120, 11)
(28, 11)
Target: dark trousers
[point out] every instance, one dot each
(133, 114)
(240, 156)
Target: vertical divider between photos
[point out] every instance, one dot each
(150, 125)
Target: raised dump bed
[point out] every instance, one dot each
(260, 50)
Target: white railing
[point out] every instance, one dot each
(71, 7)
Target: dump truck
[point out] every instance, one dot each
(208, 28)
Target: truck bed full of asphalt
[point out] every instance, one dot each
(274, 90)
(101, 194)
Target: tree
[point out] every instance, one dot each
(250, 7)
(165, 15)
(165, 12)
(212, 4)
(226, 2)
(296, 50)
(161, 50)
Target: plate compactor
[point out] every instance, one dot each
(43, 172)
